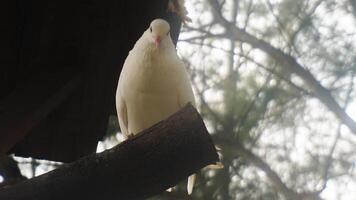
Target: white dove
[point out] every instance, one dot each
(153, 83)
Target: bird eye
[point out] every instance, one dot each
(168, 33)
(151, 29)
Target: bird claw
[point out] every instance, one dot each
(217, 165)
(130, 136)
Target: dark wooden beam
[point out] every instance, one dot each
(149, 163)
(25, 108)
(91, 37)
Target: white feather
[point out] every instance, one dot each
(190, 185)
(153, 83)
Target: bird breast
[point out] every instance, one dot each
(150, 92)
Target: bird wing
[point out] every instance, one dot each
(185, 91)
(122, 114)
(186, 95)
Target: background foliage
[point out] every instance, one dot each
(279, 129)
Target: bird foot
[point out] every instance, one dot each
(217, 165)
(130, 136)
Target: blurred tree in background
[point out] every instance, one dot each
(274, 81)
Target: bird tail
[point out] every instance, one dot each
(190, 185)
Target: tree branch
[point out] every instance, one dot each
(145, 165)
(353, 4)
(241, 151)
(329, 158)
(272, 71)
(291, 65)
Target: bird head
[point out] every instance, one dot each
(159, 32)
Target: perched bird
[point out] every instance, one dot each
(153, 83)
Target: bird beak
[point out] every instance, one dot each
(157, 41)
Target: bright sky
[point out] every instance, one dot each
(343, 187)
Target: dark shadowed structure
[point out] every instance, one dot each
(60, 62)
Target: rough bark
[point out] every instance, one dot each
(145, 165)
